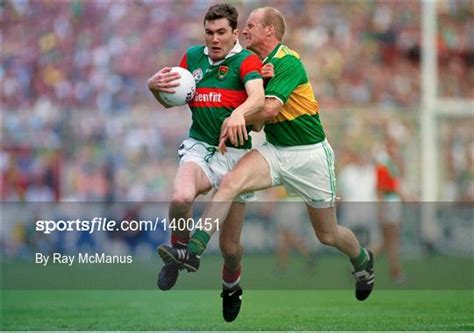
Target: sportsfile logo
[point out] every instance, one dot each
(96, 224)
(209, 97)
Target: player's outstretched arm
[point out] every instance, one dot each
(268, 72)
(270, 110)
(234, 127)
(163, 80)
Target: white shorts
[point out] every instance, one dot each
(391, 209)
(306, 171)
(212, 162)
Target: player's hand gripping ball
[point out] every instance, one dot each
(184, 93)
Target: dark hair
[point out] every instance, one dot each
(223, 10)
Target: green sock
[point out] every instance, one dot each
(197, 244)
(361, 260)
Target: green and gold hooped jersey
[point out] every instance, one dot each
(220, 89)
(298, 123)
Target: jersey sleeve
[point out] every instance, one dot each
(250, 68)
(289, 74)
(184, 61)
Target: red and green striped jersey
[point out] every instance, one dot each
(387, 174)
(298, 123)
(220, 89)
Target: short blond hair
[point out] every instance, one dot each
(273, 17)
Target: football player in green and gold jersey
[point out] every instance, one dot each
(296, 155)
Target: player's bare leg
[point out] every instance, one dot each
(232, 250)
(328, 232)
(392, 247)
(190, 181)
(283, 249)
(251, 173)
(229, 240)
(288, 240)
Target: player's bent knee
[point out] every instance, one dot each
(327, 239)
(181, 201)
(231, 250)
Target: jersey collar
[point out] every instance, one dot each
(273, 53)
(235, 50)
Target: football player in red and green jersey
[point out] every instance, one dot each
(228, 81)
(390, 196)
(296, 154)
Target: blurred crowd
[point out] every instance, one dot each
(78, 123)
(98, 54)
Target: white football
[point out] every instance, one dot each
(184, 93)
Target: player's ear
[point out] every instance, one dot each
(236, 33)
(270, 30)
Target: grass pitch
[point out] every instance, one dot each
(112, 297)
(262, 310)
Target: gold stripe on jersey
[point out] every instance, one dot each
(300, 102)
(285, 51)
